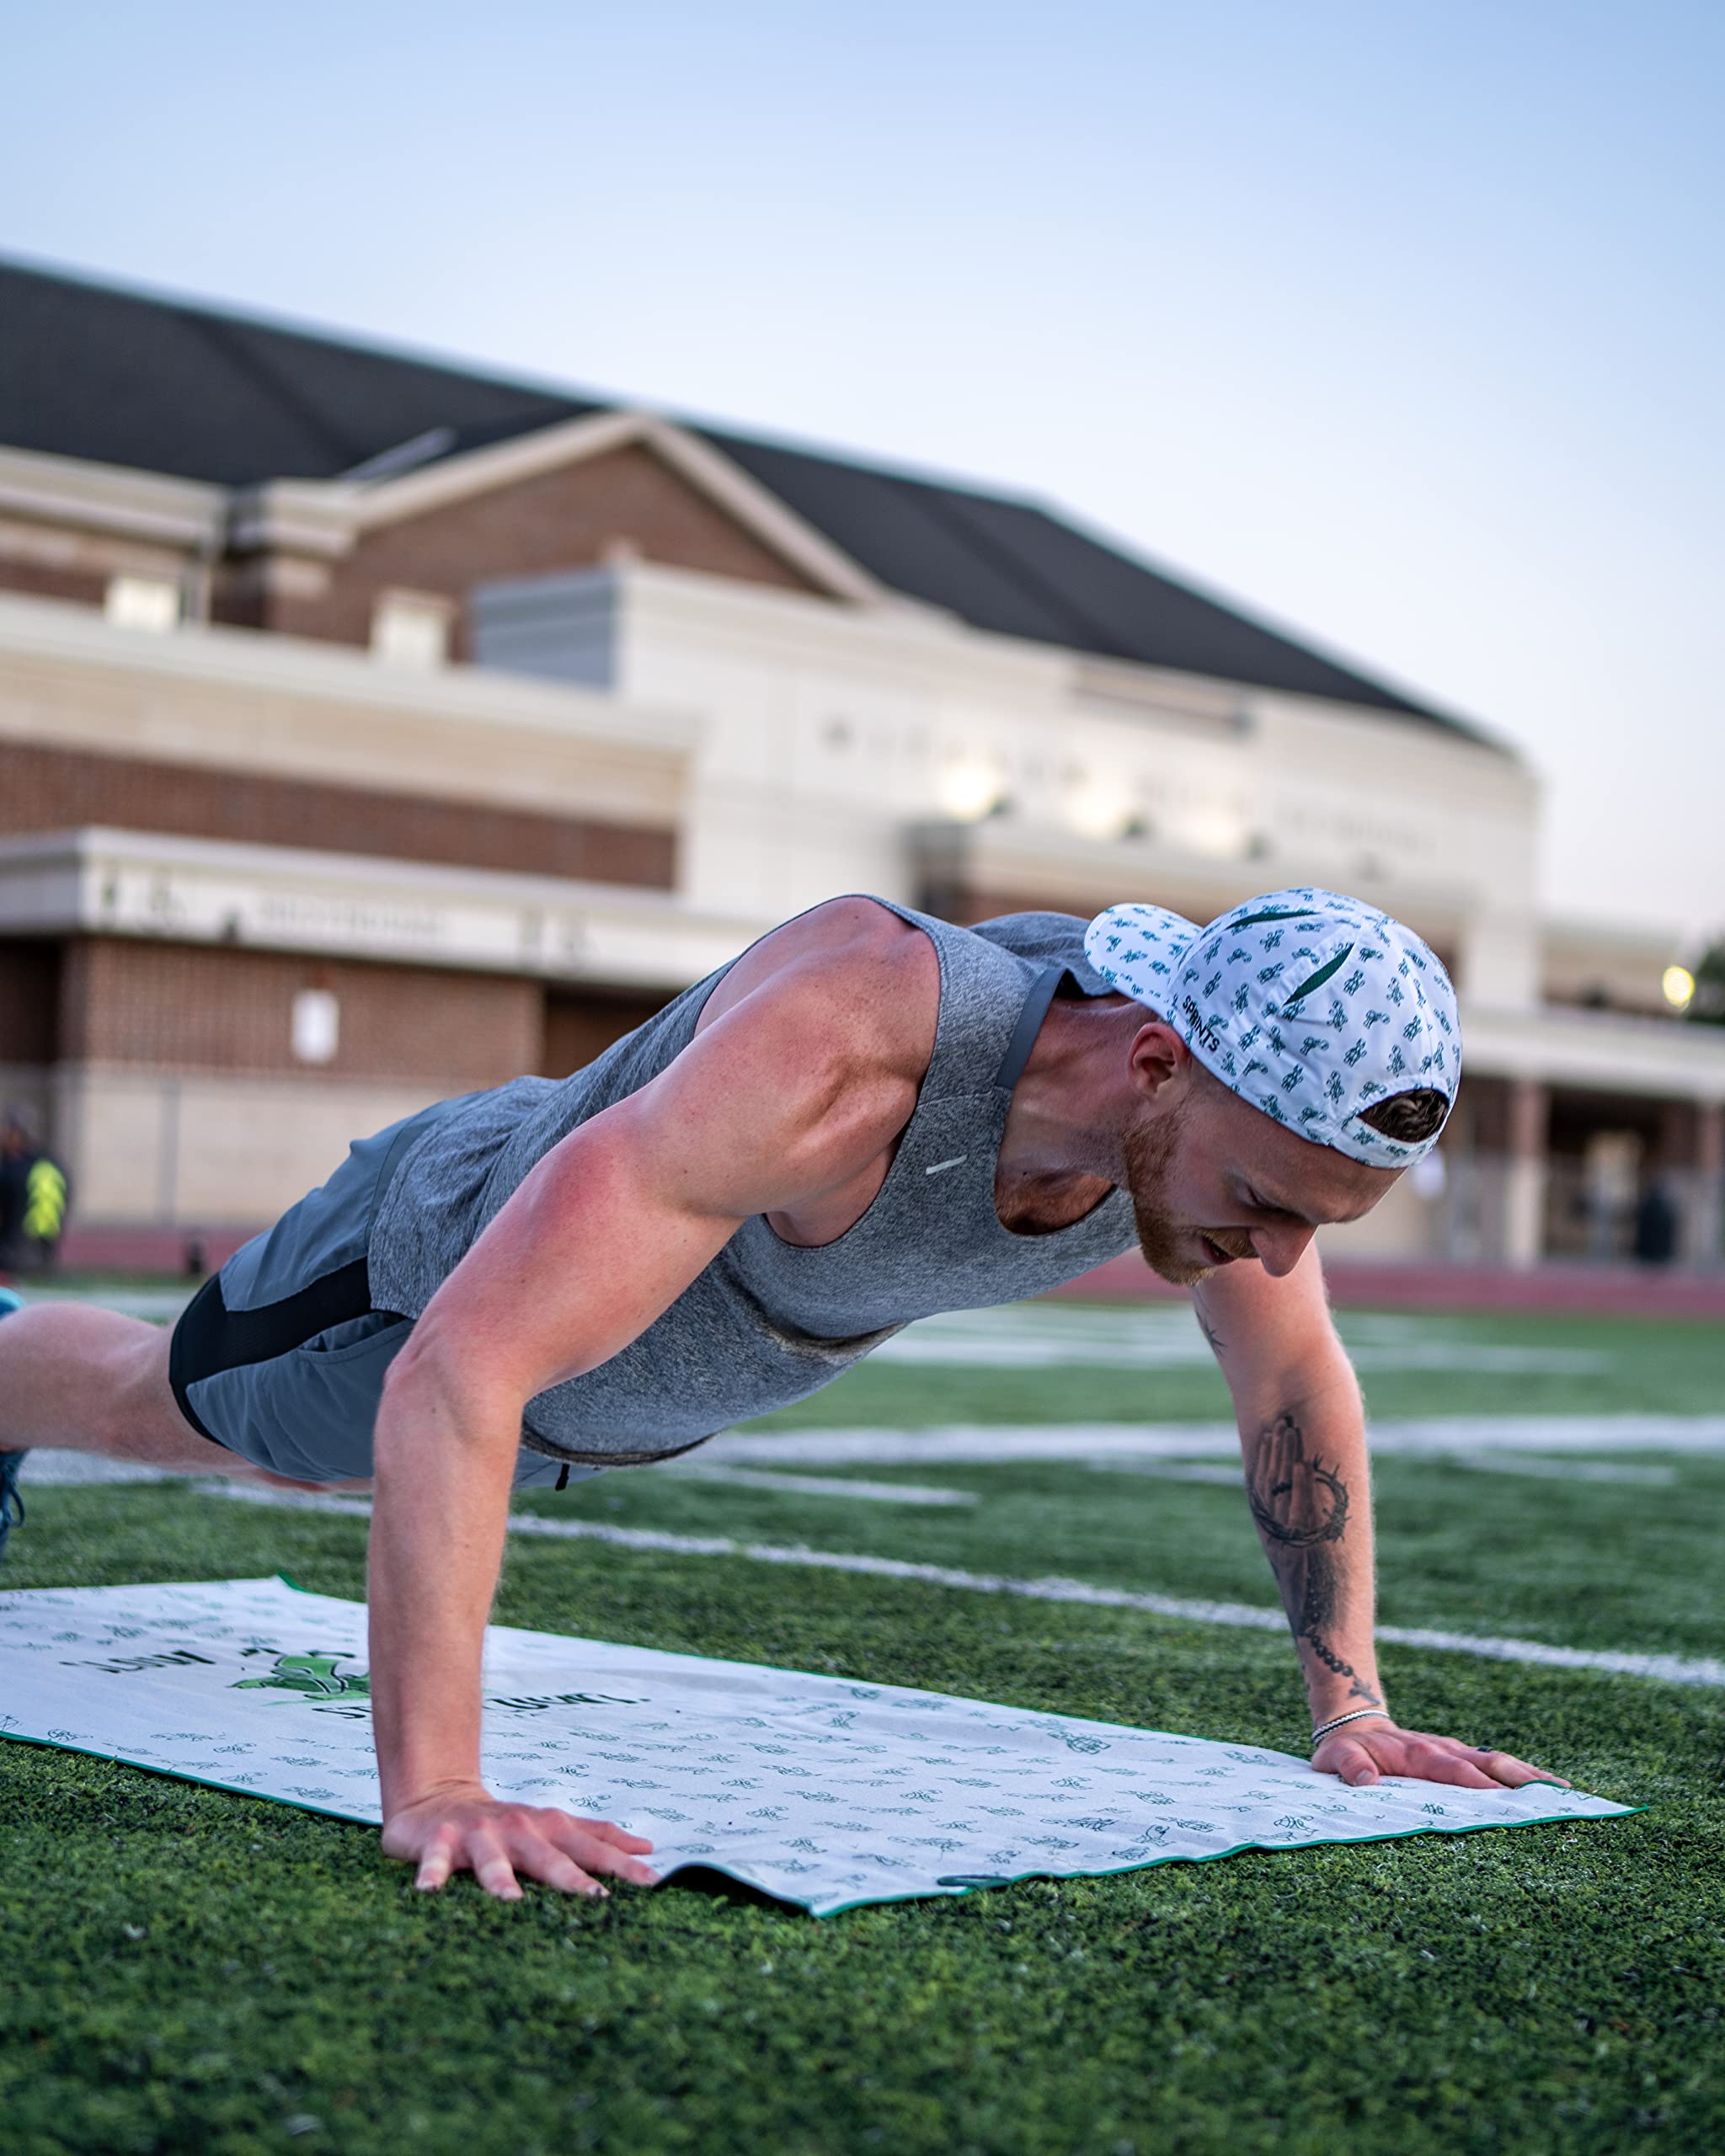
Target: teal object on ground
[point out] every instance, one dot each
(10, 1503)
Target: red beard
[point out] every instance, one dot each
(1150, 1150)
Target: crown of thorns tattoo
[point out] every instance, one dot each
(1264, 1497)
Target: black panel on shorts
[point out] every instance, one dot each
(210, 1337)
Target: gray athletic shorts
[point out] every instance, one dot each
(280, 1357)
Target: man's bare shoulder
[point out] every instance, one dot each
(805, 1066)
(858, 976)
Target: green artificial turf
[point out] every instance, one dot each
(182, 1969)
(1634, 1366)
(1458, 1549)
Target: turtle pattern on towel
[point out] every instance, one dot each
(818, 1790)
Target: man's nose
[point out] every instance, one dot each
(1280, 1249)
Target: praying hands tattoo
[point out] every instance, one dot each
(1301, 1506)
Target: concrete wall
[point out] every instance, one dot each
(834, 737)
(210, 1149)
(46, 788)
(186, 1008)
(203, 699)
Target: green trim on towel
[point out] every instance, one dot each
(1216, 1856)
(871, 1901)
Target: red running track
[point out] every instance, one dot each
(1593, 1290)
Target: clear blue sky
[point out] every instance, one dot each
(1402, 324)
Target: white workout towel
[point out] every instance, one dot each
(817, 1790)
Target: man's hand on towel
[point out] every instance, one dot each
(463, 1828)
(1365, 1750)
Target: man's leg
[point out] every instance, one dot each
(91, 1380)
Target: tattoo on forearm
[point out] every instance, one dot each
(1301, 1506)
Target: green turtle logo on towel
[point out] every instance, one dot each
(313, 1675)
(315, 1678)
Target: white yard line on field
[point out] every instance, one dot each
(1562, 1471)
(1482, 1463)
(983, 1443)
(1226, 1476)
(79, 1468)
(696, 1470)
(51, 1465)
(1665, 1669)
(154, 1304)
(85, 1469)
(1042, 1338)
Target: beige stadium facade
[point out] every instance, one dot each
(321, 798)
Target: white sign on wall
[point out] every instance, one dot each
(316, 1025)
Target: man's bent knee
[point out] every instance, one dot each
(139, 1419)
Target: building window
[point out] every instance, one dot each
(143, 602)
(316, 1025)
(411, 628)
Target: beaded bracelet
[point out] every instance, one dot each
(1360, 1714)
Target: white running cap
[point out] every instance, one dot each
(1320, 1010)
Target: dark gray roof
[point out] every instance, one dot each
(120, 378)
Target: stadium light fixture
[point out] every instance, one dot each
(970, 789)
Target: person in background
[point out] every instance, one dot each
(33, 1196)
(1656, 1224)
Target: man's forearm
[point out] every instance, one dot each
(444, 1469)
(1308, 1483)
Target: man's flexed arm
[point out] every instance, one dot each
(448, 1432)
(1302, 1437)
(794, 1093)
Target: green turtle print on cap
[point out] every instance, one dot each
(1332, 1017)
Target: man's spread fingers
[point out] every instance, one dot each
(1428, 1760)
(617, 1866)
(435, 1865)
(577, 1838)
(491, 1866)
(542, 1859)
(1355, 1765)
(607, 1832)
(1514, 1772)
(1430, 1764)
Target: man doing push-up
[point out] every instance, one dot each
(868, 1117)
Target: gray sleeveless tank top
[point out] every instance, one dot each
(769, 1322)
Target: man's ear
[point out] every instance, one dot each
(1159, 1059)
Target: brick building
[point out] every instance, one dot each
(372, 730)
